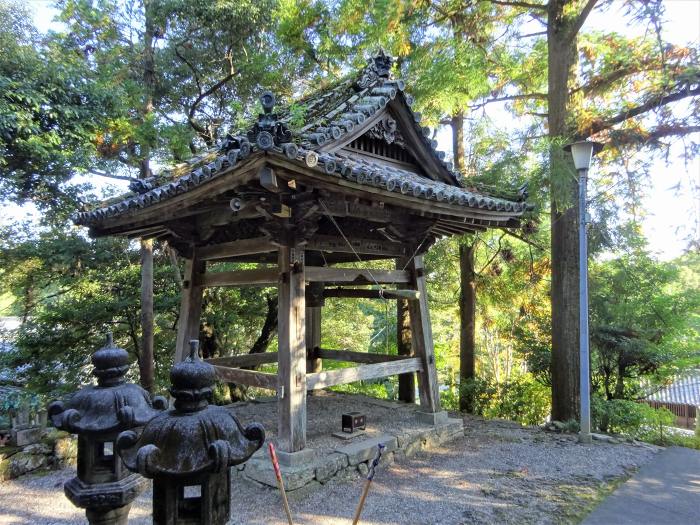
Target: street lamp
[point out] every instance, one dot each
(582, 153)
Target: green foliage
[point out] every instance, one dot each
(640, 313)
(636, 420)
(49, 113)
(521, 399)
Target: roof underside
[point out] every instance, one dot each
(360, 147)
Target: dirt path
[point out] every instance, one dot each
(498, 473)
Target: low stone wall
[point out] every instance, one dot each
(55, 450)
(347, 459)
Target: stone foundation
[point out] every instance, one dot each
(347, 459)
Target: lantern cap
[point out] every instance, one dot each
(192, 381)
(582, 151)
(111, 406)
(193, 438)
(110, 363)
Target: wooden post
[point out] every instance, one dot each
(291, 354)
(190, 307)
(314, 303)
(422, 340)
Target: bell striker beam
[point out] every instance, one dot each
(291, 353)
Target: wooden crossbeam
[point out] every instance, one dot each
(247, 377)
(356, 276)
(356, 357)
(330, 243)
(236, 248)
(257, 277)
(372, 371)
(239, 361)
(363, 293)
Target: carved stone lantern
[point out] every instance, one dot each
(188, 450)
(103, 487)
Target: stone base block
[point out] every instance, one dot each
(104, 495)
(292, 459)
(348, 435)
(27, 436)
(433, 418)
(367, 448)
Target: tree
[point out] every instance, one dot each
(174, 65)
(587, 92)
(49, 113)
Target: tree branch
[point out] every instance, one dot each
(100, 173)
(652, 103)
(581, 19)
(516, 3)
(525, 96)
(625, 137)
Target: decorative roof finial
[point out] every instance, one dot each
(378, 70)
(383, 63)
(269, 131)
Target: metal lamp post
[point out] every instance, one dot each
(582, 153)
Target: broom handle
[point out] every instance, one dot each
(370, 477)
(361, 504)
(280, 482)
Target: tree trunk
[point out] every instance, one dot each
(268, 331)
(407, 382)
(564, 218)
(146, 360)
(467, 315)
(457, 125)
(467, 295)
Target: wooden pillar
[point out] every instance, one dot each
(291, 353)
(422, 340)
(314, 303)
(190, 307)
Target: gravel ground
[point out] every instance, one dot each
(498, 473)
(323, 416)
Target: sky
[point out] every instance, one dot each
(672, 207)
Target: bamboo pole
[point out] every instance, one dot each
(280, 482)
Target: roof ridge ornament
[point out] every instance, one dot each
(378, 68)
(269, 131)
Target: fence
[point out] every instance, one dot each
(685, 414)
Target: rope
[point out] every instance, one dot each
(337, 227)
(416, 252)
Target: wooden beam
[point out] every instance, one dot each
(330, 243)
(291, 337)
(190, 307)
(258, 277)
(236, 248)
(357, 357)
(240, 361)
(363, 293)
(343, 376)
(422, 340)
(247, 377)
(356, 276)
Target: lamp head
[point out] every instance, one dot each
(582, 152)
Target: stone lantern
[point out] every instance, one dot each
(103, 487)
(188, 450)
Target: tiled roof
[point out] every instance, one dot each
(328, 116)
(685, 390)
